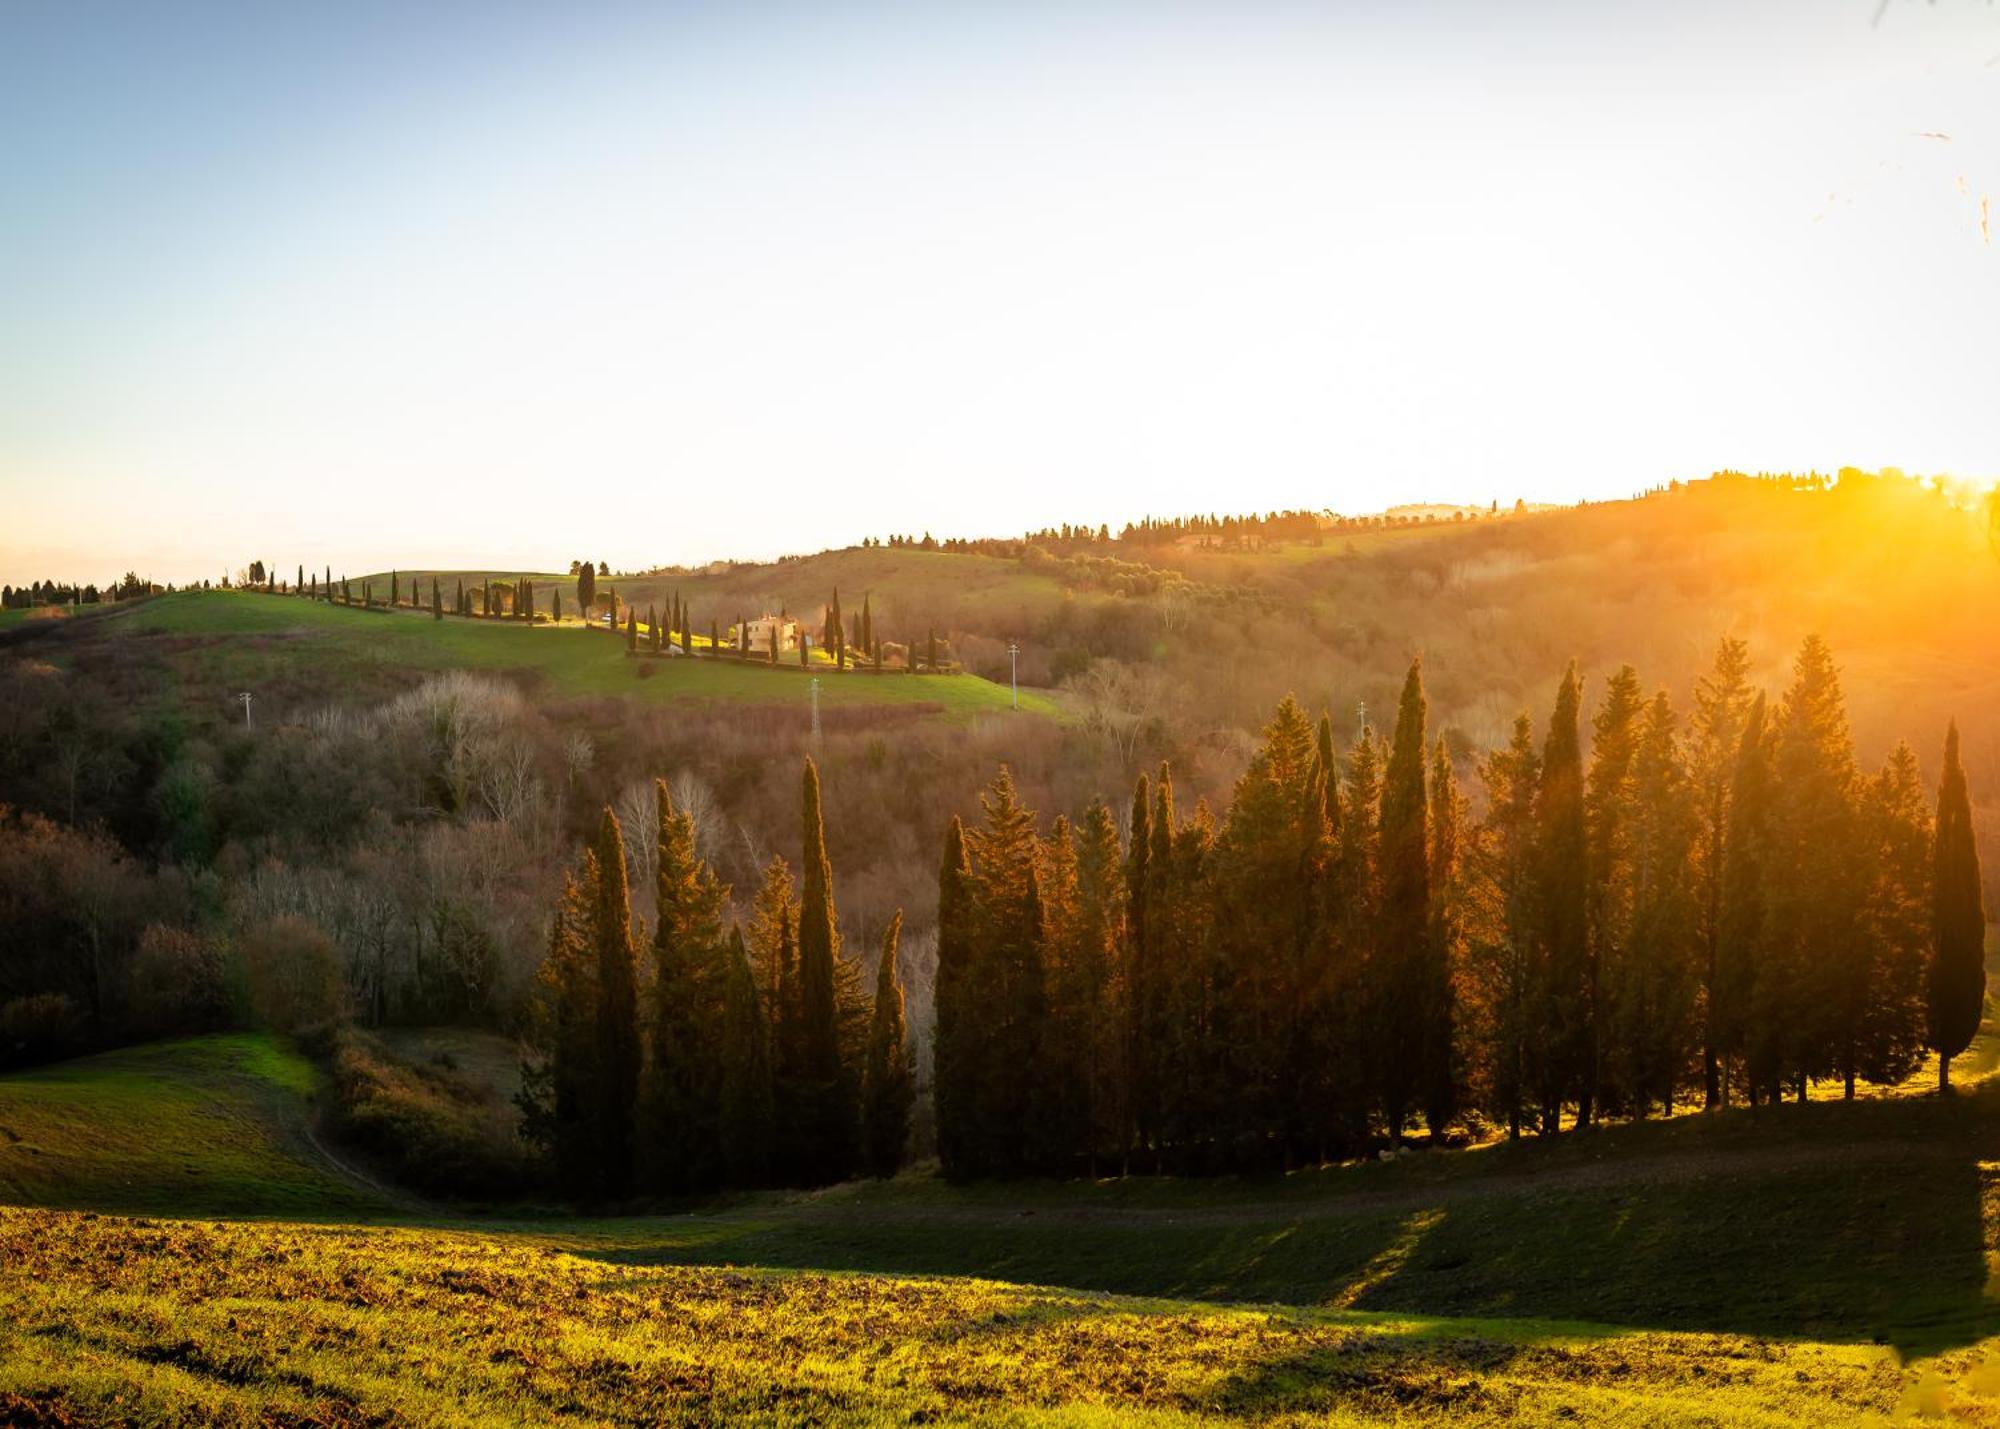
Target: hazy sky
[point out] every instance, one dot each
(416, 283)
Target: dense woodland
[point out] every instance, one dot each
(1644, 919)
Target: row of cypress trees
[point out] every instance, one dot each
(714, 1061)
(1683, 915)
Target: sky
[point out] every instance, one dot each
(492, 284)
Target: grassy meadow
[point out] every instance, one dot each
(1789, 1265)
(245, 633)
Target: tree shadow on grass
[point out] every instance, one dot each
(1856, 1224)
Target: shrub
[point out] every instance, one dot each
(174, 984)
(427, 1125)
(293, 974)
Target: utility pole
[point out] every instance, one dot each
(245, 697)
(815, 698)
(1014, 671)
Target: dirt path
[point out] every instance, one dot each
(406, 1202)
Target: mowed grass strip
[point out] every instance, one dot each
(212, 1125)
(109, 1321)
(575, 660)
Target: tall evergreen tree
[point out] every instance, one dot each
(1096, 970)
(685, 1132)
(1742, 919)
(749, 1116)
(1009, 983)
(1652, 994)
(616, 1095)
(631, 631)
(1438, 1062)
(1813, 971)
(1269, 860)
(394, 597)
(1885, 1042)
(827, 1086)
(1506, 926)
(1608, 814)
(437, 600)
(586, 589)
(1399, 984)
(955, 1063)
(1956, 984)
(1721, 705)
(560, 1064)
(1560, 972)
(1141, 975)
(888, 1082)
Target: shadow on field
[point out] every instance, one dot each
(1859, 1223)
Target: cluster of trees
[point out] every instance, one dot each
(719, 1059)
(1733, 906)
(38, 593)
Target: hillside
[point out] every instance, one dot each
(570, 661)
(1785, 1265)
(1180, 651)
(209, 1126)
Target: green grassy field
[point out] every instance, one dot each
(216, 1125)
(147, 1322)
(1817, 1264)
(571, 659)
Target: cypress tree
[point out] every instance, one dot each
(300, 588)
(1956, 985)
(747, 1103)
(1608, 816)
(1397, 988)
(437, 600)
(1887, 1040)
(1501, 951)
(617, 1092)
(586, 590)
(685, 1122)
(631, 631)
(527, 600)
(1438, 1070)
(888, 1083)
(653, 626)
(555, 605)
(1741, 920)
(559, 1063)
(1560, 975)
(1650, 1002)
(367, 595)
(687, 636)
(955, 1072)
(826, 1084)
(1812, 974)
(867, 627)
(1267, 866)
(1140, 992)
(714, 637)
(930, 653)
(1721, 705)
(774, 642)
(395, 598)
(1010, 989)
(458, 604)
